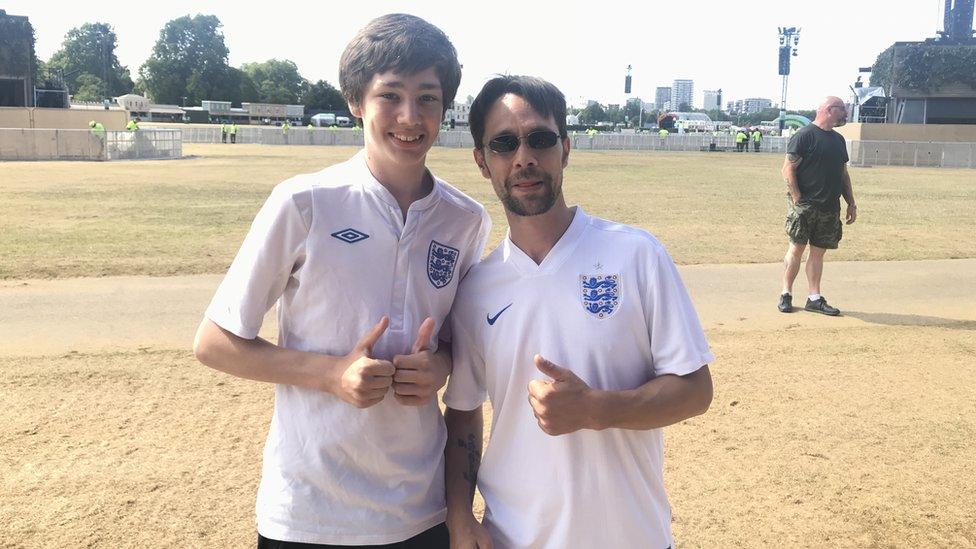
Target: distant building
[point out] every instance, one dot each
(217, 109)
(272, 113)
(136, 105)
(662, 96)
(712, 100)
(754, 104)
(682, 93)
(17, 71)
(459, 112)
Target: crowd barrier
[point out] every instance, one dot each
(462, 139)
(912, 153)
(152, 143)
(45, 144)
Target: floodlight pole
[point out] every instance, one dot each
(789, 38)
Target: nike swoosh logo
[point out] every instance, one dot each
(492, 319)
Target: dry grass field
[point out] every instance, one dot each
(188, 216)
(817, 437)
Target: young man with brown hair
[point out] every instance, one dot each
(363, 259)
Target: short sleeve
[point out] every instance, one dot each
(466, 388)
(798, 144)
(678, 344)
(477, 249)
(273, 248)
(479, 243)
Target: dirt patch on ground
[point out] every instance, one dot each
(846, 438)
(845, 432)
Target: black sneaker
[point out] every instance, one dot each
(785, 303)
(820, 306)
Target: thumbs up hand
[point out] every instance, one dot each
(422, 373)
(562, 405)
(364, 380)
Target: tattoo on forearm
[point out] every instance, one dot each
(474, 461)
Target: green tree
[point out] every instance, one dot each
(87, 59)
(89, 88)
(924, 67)
(718, 115)
(323, 96)
(240, 88)
(755, 118)
(632, 110)
(592, 114)
(276, 81)
(189, 60)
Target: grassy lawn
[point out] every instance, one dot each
(70, 219)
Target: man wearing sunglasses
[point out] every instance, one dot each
(580, 322)
(815, 171)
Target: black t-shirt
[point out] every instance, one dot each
(820, 173)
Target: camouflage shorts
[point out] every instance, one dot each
(805, 223)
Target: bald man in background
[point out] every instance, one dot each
(816, 177)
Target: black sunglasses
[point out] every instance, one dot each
(540, 139)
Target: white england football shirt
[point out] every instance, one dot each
(607, 303)
(331, 248)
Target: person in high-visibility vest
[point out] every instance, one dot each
(97, 128)
(133, 125)
(662, 133)
(756, 139)
(285, 126)
(233, 132)
(98, 131)
(740, 141)
(224, 129)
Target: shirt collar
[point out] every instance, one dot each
(374, 187)
(559, 253)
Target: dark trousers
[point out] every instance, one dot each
(435, 538)
(755, 145)
(233, 138)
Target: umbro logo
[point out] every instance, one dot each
(492, 319)
(350, 236)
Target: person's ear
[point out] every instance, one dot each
(566, 148)
(479, 159)
(355, 109)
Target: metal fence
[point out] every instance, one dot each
(686, 142)
(462, 139)
(42, 144)
(862, 153)
(912, 153)
(275, 136)
(144, 145)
